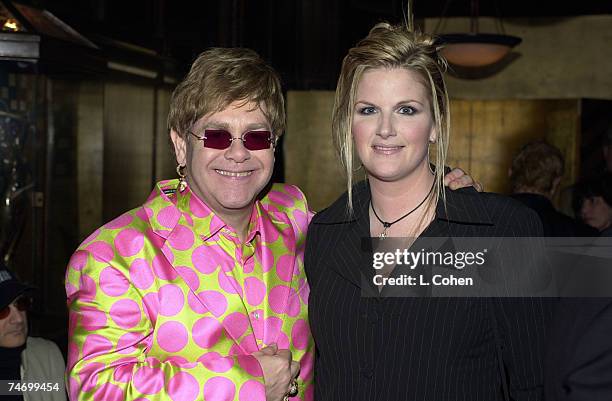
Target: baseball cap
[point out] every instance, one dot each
(10, 288)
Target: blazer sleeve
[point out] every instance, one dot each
(109, 362)
(522, 322)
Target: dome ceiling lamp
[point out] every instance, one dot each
(475, 49)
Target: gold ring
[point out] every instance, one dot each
(293, 388)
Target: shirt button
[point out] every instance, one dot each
(256, 315)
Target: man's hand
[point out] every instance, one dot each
(457, 178)
(278, 370)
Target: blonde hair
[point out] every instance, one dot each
(389, 46)
(220, 76)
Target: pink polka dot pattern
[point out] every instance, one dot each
(109, 392)
(73, 388)
(294, 191)
(300, 334)
(248, 345)
(148, 380)
(219, 389)
(172, 336)
(229, 284)
(127, 341)
(171, 299)
(306, 366)
(203, 255)
(293, 303)
(272, 327)
(181, 238)
(197, 208)
(163, 269)
(255, 290)
(304, 291)
(196, 304)
(206, 332)
(216, 363)
(309, 393)
(215, 302)
(280, 198)
(300, 218)
(278, 297)
(91, 237)
(119, 222)
(266, 258)
(189, 276)
(93, 319)
(129, 242)
(167, 303)
(252, 390)
(101, 251)
(250, 365)
(87, 287)
(156, 239)
(89, 375)
(257, 324)
(140, 274)
(141, 213)
(168, 216)
(113, 283)
(284, 267)
(125, 313)
(282, 340)
(150, 303)
(78, 260)
(183, 387)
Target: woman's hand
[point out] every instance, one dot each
(278, 370)
(458, 178)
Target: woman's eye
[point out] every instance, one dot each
(407, 110)
(367, 110)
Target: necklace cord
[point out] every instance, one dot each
(387, 224)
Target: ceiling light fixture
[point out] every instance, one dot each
(475, 49)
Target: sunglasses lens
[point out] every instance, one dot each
(23, 303)
(217, 139)
(257, 140)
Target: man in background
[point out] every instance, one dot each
(26, 359)
(535, 176)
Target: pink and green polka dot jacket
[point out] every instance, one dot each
(167, 304)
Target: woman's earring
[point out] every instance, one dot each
(182, 184)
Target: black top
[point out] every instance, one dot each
(419, 349)
(555, 223)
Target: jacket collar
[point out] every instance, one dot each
(464, 206)
(172, 205)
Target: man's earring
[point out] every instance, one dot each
(182, 184)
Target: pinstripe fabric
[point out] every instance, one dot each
(419, 349)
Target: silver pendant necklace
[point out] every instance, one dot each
(386, 224)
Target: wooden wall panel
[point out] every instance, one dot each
(165, 163)
(90, 156)
(485, 135)
(310, 159)
(128, 146)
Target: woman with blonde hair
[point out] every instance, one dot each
(391, 113)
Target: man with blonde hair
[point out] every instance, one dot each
(535, 175)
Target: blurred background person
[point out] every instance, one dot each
(593, 203)
(535, 175)
(23, 358)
